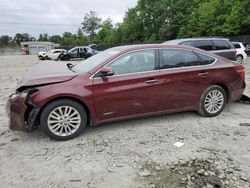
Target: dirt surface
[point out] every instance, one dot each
(136, 153)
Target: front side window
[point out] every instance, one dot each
(139, 61)
(93, 61)
(172, 58)
(81, 50)
(222, 45)
(203, 44)
(73, 50)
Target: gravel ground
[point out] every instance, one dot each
(136, 153)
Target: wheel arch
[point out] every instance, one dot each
(241, 55)
(83, 104)
(225, 88)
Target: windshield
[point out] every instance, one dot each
(93, 61)
(71, 50)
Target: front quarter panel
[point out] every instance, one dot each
(79, 88)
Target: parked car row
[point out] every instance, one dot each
(64, 55)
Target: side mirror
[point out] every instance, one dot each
(106, 71)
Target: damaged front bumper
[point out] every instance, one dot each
(22, 115)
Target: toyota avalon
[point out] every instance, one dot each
(121, 83)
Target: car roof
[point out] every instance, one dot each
(237, 43)
(177, 41)
(78, 47)
(128, 48)
(57, 49)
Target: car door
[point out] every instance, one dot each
(81, 52)
(224, 49)
(55, 54)
(184, 76)
(75, 53)
(131, 90)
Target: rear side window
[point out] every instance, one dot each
(172, 58)
(205, 60)
(236, 46)
(222, 45)
(203, 44)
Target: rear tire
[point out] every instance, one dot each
(239, 59)
(212, 101)
(63, 119)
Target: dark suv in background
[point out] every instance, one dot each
(78, 52)
(219, 46)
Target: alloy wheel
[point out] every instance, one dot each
(239, 59)
(64, 121)
(214, 101)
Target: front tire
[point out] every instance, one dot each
(63, 119)
(66, 58)
(213, 101)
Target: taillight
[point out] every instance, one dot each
(241, 71)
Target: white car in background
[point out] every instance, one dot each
(54, 54)
(241, 52)
(42, 55)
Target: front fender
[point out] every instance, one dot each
(55, 91)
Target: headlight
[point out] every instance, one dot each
(23, 95)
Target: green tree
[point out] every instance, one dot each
(91, 23)
(55, 38)
(5, 40)
(106, 34)
(160, 20)
(214, 18)
(21, 38)
(132, 27)
(67, 39)
(43, 37)
(245, 17)
(80, 33)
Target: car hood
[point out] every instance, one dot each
(47, 73)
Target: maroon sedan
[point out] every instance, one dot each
(123, 83)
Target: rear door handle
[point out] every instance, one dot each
(203, 74)
(151, 81)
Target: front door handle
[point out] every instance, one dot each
(203, 74)
(151, 81)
